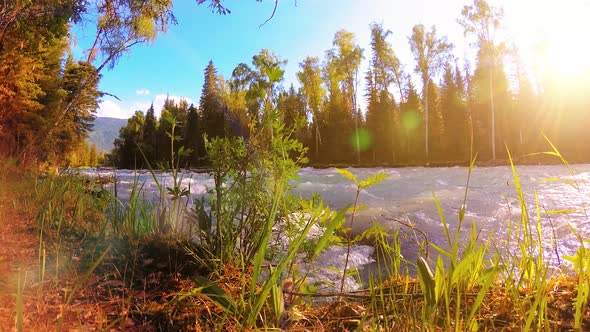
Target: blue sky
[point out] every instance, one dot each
(173, 65)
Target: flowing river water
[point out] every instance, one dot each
(407, 195)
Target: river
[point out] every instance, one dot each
(407, 195)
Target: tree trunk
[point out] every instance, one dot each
(356, 134)
(427, 118)
(355, 114)
(493, 113)
(317, 141)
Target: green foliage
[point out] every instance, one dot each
(48, 108)
(192, 137)
(331, 224)
(122, 25)
(373, 180)
(581, 262)
(347, 174)
(430, 53)
(209, 289)
(466, 279)
(360, 185)
(291, 107)
(67, 202)
(382, 118)
(85, 156)
(149, 136)
(340, 109)
(250, 200)
(126, 151)
(457, 273)
(155, 138)
(313, 94)
(80, 83)
(30, 72)
(428, 284)
(457, 118)
(48, 103)
(211, 104)
(228, 161)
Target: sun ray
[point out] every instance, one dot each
(557, 33)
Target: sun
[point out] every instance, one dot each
(556, 33)
(567, 52)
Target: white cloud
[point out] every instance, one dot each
(112, 109)
(124, 110)
(142, 92)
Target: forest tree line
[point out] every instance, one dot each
(458, 112)
(437, 109)
(49, 98)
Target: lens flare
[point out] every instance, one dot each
(411, 120)
(361, 140)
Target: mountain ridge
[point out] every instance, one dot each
(104, 132)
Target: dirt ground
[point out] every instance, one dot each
(43, 301)
(19, 248)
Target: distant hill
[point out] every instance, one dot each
(104, 132)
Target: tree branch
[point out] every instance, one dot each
(274, 11)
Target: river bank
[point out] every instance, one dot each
(523, 161)
(82, 275)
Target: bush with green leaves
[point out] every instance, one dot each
(253, 221)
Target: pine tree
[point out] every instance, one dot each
(164, 127)
(373, 122)
(412, 123)
(48, 143)
(341, 114)
(457, 136)
(381, 110)
(338, 118)
(435, 121)
(126, 152)
(83, 155)
(78, 92)
(345, 59)
(150, 135)
(380, 122)
(32, 42)
(92, 156)
(291, 106)
(180, 111)
(193, 136)
(211, 104)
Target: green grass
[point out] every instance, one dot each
(223, 281)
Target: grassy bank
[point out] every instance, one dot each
(80, 258)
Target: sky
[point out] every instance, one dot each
(173, 65)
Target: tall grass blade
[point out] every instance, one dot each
(427, 284)
(216, 294)
(19, 301)
(332, 225)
